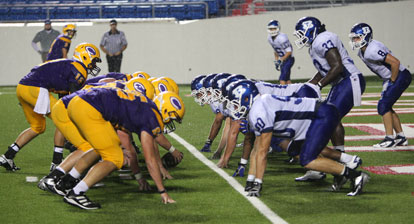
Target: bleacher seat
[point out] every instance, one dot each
(4, 13)
(196, 11)
(63, 13)
(178, 11)
(79, 12)
(127, 11)
(69, 1)
(19, 2)
(120, 1)
(103, 1)
(49, 12)
(34, 13)
(144, 11)
(161, 11)
(212, 6)
(93, 12)
(86, 1)
(110, 12)
(17, 13)
(52, 1)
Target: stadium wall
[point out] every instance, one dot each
(235, 44)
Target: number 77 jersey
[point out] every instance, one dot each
(286, 117)
(321, 45)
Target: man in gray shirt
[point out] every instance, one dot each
(46, 38)
(113, 43)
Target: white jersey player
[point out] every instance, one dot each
(283, 51)
(334, 67)
(396, 79)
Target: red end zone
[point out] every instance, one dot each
(407, 169)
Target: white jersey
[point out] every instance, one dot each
(281, 44)
(324, 42)
(286, 117)
(276, 89)
(374, 57)
(217, 107)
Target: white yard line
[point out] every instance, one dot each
(256, 202)
(372, 149)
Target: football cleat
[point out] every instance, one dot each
(386, 143)
(249, 185)
(339, 181)
(206, 148)
(310, 176)
(80, 200)
(401, 141)
(53, 166)
(240, 170)
(255, 190)
(8, 163)
(41, 185)
(358, 183)
(64, 185)
(354, 163)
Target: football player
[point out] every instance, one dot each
(280, 43)
(34, 92)
(396, 79)
(93, 111)
(60, 46)
(308, 122)
(334, 67)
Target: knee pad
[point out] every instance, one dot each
(39, 129)
(382, 109)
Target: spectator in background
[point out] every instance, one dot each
(113, 43)
(45, 37)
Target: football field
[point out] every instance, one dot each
(207, 194)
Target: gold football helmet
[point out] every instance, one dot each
(172, 83)
(89, 55)
(141, 85)
(172, 109)
(141, 74)
(161, 85)
(69, 30)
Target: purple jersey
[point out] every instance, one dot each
(55, 51)
(66, 99)
(57, 75)
(114, 75)
(131, 111)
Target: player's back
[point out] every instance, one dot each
(56, 75)
(55, 51)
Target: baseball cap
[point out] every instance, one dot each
(48, 21)
(112, 22)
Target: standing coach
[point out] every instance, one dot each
(113, 43)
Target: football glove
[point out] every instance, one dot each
(244, 126)
(278, 63)
(240, 170)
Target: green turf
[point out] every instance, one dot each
(202, 196)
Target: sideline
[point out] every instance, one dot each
(257, 203)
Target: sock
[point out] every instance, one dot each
(258, 180)
(243, 161)
(57, 155)
(74, 173)
(340, 148)
(401, 134)
(345, 158)
(250, 178)
(80, 187)
(390, 136)
(12, 151)
(60, 169)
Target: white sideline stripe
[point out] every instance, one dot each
(257, 203)
(372, 149)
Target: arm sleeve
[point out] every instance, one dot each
(123, 39)
(103, 40)
(35, 47)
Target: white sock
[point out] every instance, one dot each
(401, 134)
(250, 178)
(74, 173)
(258, 180)
(80, 187)
(243, 161)
(15, 147)
(345, 158)
(60, 169)
(340, 148)
(390, 136)
(58, 149)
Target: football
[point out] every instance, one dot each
(168, 160)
